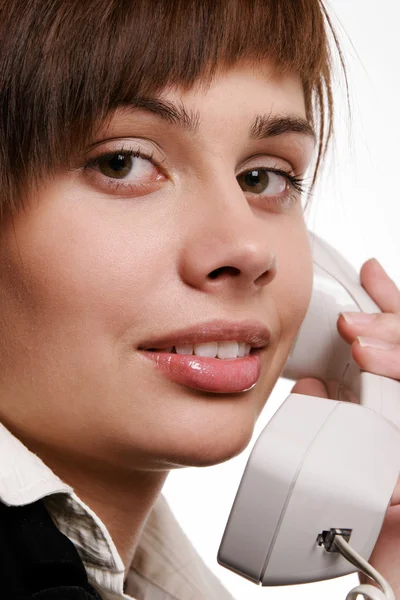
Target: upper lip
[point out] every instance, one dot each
(250, 332)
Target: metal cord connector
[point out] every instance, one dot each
(327, 538)
(336, 540)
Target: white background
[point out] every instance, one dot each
(356, 210)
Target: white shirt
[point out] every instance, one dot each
(165, 565)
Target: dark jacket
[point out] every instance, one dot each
(37, 561)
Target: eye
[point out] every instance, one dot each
(263, 181)
(126, 166)
(126, 172)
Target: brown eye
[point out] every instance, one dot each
(129, 172)
(262, 181)
(117, 166)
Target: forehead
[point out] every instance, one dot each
(243, 87)
(269, 102)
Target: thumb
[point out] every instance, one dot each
(310, 387)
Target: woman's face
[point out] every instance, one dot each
(197, 237)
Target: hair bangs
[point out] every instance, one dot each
(66, 65)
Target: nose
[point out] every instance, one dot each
(226, 247)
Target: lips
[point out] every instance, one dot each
(253, 333)
(210, 374)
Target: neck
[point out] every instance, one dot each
(121, 498)
(123, 504)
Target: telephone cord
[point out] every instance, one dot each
(368, 591)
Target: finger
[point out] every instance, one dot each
(383, 326)
(385, 555)
(310, 387)
(377, 360)
(330, 389)
(395, 499)
(380, 286)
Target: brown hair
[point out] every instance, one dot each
(66, 64)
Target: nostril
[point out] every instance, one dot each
(232, 271)
(265, 277)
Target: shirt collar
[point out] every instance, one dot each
(25, 478)
(164, 562)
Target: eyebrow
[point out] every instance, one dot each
(263, 126)
(177, 114)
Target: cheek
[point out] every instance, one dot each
(88, 264)
(77, 283)
(291, 292)
(295, 282)
(295, 289)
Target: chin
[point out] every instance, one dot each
(205, 447)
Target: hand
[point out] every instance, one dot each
(382, 327)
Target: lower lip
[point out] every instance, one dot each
(224, 376)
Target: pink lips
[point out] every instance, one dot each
(211, 374)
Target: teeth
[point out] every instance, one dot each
(222, 350)
(210, 349)
(184, 349)
(228, 349)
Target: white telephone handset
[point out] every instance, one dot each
(319, 465)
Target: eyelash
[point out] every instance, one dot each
(125, 151)
(297, 183)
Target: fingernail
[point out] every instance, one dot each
(367, 342)
(357, 318)
(376, 260)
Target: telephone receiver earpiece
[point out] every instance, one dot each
(319, 351)
(319, 464)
